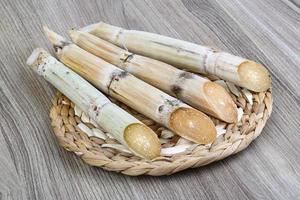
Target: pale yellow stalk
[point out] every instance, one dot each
(182, 54)
(195, 90)
(139, 138)
(148, 100)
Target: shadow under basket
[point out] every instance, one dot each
(79, 134)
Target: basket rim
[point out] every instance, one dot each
(236, 138)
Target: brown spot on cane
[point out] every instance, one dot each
(123, 74)
(172, 102)
(95, 108)
(176, 90)
(160, 108)
(186, 75)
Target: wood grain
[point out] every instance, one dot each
(33, 166)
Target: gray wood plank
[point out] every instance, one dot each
(33, 166)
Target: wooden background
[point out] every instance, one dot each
(33, 166)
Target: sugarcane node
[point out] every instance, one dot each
(128, 58)
(115, 76)
(119, 75)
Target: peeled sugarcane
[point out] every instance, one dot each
(148, 100)
(139, 138)
(197, 91)
(182, 54)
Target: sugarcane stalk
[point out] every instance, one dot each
(139, 138)
(190, 56)
(139, 95)
(195, 90)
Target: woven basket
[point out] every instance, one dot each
(105, 152)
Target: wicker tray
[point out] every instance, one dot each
(105, 152)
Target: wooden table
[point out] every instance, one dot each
(33, 166)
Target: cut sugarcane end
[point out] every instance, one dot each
(142, 141)
(220, 101)
(74, 35)
(254, 76)
(193, 125)
(54, 38)
(34, 57)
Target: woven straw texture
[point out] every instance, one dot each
(77, 133)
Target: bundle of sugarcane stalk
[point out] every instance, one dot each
(148, 100)
(197, 91)
(125, 128)
(172, 97)
(190, 56)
